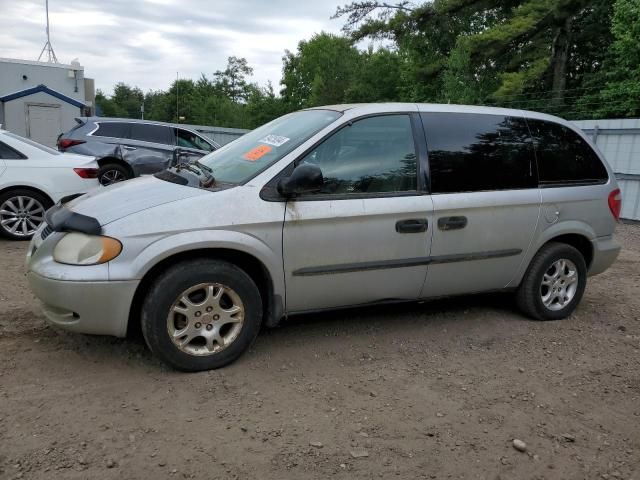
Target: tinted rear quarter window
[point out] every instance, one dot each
(478, 152)
(564, 157)
(112, 129)
(151, 133)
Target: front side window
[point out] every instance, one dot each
(111, 129)
(372, 155)
(563, 157)
(8, 153)
(187, 139)
(150, 133)
(250, 154)
(478, 152)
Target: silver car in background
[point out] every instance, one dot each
(126, 148)
(328, 208)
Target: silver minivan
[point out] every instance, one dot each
(328, 208)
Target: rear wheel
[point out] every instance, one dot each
(112, 173)
(21, 213)
(554, 283)
(201, 315)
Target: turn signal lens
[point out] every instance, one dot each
(82, 249)
(615, 203)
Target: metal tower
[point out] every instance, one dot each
(51, 55)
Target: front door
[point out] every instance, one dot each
(485, 198)
(365, 237)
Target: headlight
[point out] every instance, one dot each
(82, 249)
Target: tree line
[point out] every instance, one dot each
(574, 58)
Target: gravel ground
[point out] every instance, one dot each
(433, 390)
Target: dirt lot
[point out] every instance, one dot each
(435, 390)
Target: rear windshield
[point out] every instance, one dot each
(242, 159)
(33, 144)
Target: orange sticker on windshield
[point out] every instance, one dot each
(256, 153)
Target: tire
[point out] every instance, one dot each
(111, 173)
(190, 341)
(560, 293)
(21, 213)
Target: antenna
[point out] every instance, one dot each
(51, 55)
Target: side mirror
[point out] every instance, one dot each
(305, 178)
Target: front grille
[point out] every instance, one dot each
(46, 232)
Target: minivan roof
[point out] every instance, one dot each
(444, 108)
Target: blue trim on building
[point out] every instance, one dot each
(45, 89)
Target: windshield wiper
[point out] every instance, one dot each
(199, 169)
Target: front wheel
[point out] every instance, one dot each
(201, 315)
(554, 283)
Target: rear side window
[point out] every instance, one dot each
(151, 133)
(478, 152)
(111, 129)
(8, 153)
(564, 157)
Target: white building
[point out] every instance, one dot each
(40, 100)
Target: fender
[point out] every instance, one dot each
(576, 227)
(168, 246)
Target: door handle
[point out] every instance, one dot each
(415, 225)
(126, 147)
(452, 223)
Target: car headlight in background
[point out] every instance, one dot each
(82, 249)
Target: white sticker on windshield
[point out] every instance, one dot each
(275, 140)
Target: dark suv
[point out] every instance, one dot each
(126, 148)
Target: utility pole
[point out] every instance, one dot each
(51, 55)
(177, 116)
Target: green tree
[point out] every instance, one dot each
(522, 53)
(232, 81)
(614, 89)
(319, 72)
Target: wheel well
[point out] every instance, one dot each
(107, 160)
(23, 187)
(580, 243)
(250, 264)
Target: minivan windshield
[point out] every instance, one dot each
(242, 159)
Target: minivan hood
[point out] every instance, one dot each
(107, 204)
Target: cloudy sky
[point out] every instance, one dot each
(145, 42)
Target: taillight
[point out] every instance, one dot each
(615, 203)
(87, 172)
(64, 143)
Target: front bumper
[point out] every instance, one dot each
(605, 252)
(94, 307)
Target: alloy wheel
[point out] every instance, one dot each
(559, 284)
(110, 177)
(205, 319)
(21, 215)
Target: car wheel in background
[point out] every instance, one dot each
(112, 173)
(21, 213)
(554, 283)
(201, 314)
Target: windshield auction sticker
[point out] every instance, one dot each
(275, 140)
(256, 153)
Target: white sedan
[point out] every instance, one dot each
(34, 177)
